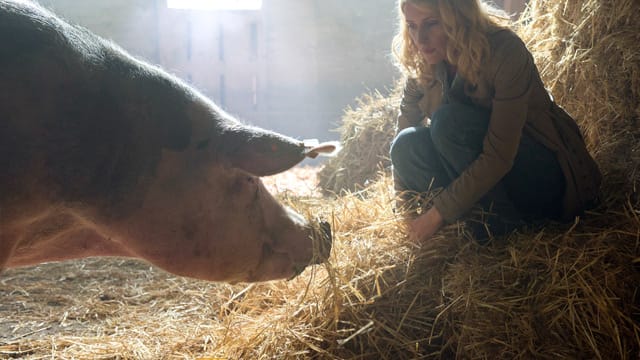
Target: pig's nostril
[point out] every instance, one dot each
(322, 241)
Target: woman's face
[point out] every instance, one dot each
(426, 31)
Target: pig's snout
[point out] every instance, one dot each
(322, 241)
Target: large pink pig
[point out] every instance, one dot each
(104, 155)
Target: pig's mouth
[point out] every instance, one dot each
(280, 265)
(322, 241)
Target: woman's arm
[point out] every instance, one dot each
(510, 74)
(410, 112)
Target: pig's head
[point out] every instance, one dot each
(206, 213)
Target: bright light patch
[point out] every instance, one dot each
(215, 4)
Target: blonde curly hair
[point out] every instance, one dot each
(466, 24)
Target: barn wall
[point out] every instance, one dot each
(293, 66)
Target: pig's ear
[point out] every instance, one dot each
(262, 152)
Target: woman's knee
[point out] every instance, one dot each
(403, 144)
(444, 122)
(458, 124)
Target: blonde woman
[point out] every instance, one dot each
(477, 125)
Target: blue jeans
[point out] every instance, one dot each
(425, 158)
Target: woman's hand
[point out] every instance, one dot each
(425, 226)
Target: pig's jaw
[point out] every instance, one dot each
(289, 255)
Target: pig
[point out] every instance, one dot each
(102, 154)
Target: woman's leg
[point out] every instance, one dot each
(416, 165)
(458, 132)
(533, 189)
(536, 183)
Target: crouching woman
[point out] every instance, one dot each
(477, 127)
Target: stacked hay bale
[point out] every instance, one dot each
(589, 58)
(366, 133)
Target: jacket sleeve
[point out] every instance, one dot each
(410, 112)
(510, 72)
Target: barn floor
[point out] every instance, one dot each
(51, 309)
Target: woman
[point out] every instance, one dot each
(477, 124)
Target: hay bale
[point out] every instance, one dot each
(366, 133)
(589, 58)
(555, 294)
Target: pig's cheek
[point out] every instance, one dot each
(273, 266)
(250, 204)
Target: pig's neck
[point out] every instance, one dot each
(148, 110)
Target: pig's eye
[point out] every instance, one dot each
(254, 182)
(247, 186)
(251, 181)
(253, 188)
